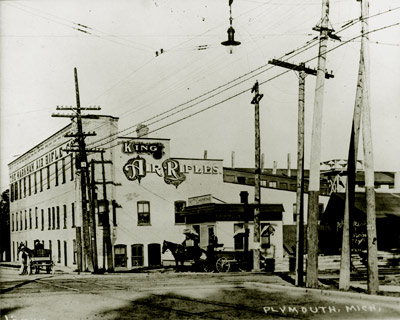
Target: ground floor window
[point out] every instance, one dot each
(137, 255)
(75, 251)
(238, 235)
(120, 255)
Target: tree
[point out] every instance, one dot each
(5, 226)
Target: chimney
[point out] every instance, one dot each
(233, 159)
(274, 167)
(142, 131)
(289, 171)
(205, 154)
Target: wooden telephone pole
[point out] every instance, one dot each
(303, 71)
(361, 113)
(373, 282)
(81, 163)
(105, 216)
(257, 173)
(314, 182)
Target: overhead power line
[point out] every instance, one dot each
(246, 90)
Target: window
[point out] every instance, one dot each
(20, 188)
(53, 217)
(75, 251)
(58, 217)
(120, 255)
(12, 222)
(41, 179)
(63, 170)
(16, 191)
(272, 184)
(73, 214)
(143, 210)
(49, 217)
(241, 180)
(12, 192)
(137, 255)
(197, 229)
(30, 218)
(36, 218)
(16, 221)
(48, 177)
(35, 181)
(211, 235)
(263, 183)
(24, 187)
(26, 220)
(29, 185)
(21, 222)
(65, 216)
(179, 207)
(114, 212)
(65, 253)
(283, 185)
(238, 235)
(72, 167)
(58, 251)
(56, 172)
(42, 212)
(294, 212)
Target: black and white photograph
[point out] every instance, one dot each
(208, 159)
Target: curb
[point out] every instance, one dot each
(332, 293)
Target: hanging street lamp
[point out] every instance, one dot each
(230, 43)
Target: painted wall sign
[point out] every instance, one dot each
(45, 160)
(171, 170)
(156, 149)
(135, 169)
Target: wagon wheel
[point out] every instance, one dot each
(223, 265)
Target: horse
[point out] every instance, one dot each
(25, 254)
(177, 250)
(181, 253)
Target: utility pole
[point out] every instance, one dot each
(303, 71)
(345, 261)
(373, 281)
(81, 164)
(314, 183)
(105, 221)
(257, 173)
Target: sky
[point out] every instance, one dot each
(195, 92)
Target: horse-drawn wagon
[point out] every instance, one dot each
(36, 259)
(41, 260)
(215, 258)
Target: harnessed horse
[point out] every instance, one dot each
(25, 254)
(180, 253)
